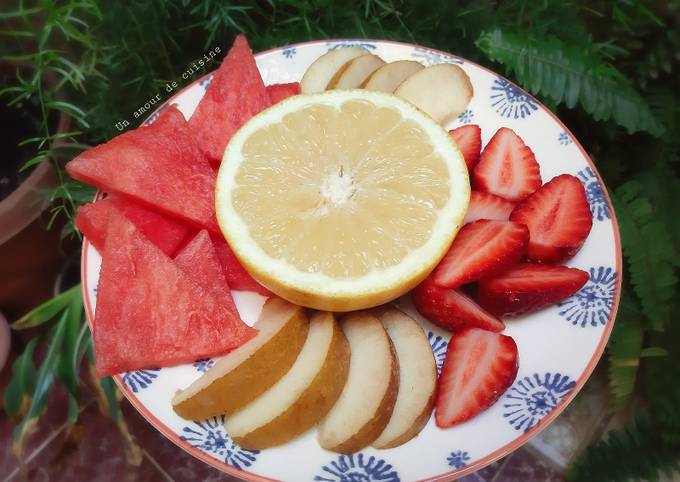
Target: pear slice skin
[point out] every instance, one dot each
(248, 371)
(355, 72)
(365, 405)
(442, 91)
(303, 396)
(417, 378)
(388, 77)
(319, 74)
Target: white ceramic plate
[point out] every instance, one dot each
(558, 346)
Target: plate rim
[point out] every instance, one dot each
(452, 474)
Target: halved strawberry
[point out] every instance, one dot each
(507, 167)
(452, 309)
(529, 287)
(469, 140)
(558, 217)
(484, 205)
(478, 368)
(481, 249)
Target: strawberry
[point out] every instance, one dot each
(469, 140)
(452, 309)
(507, 167)
(481, 249)
(484, 205)
(478, 368)
(558, 217)
(529, 287)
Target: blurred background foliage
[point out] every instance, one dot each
(608, 69)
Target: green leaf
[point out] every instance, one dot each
(44, 382)
(570, 74)
(649, 251)
(23, 380)
(624, 352)
(48, 309)
(653, 351)
(66, 370)
(108, 389)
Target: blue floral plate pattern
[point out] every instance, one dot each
(559, 346)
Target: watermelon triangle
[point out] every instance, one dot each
(237, 276)
(278, 92)
(159, 165)
(166, 233)
(150, 313)
(199, 260)
(235, 94)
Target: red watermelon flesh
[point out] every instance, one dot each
(150, 313)
(92, 220)
(199, 260)
(237, 276)
(278, 92)
(235, 94)
(159, 165)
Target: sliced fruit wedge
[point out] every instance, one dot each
(319, 74)
(452, 309)
(367, 400)
(481, 249)
(388, 77)
(529, 287)
(507, 167)
(279, 92)
(166, 233)
(355, 72)
(479, 367)
(314, 232)
(558, 217)
(235, 94)
(237, 276)
(469, 141)
(417, 378)
(484, 205)
(244, 374)
(303, 396)
(442, 91)
(146, 305)
(159, 166)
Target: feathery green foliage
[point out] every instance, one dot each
(625, 347)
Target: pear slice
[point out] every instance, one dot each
(355, 72)
(417, 378)
(303, 396)
(245, 373)
(442, 91)
(319, 74)
(367, 399)
(388, 77)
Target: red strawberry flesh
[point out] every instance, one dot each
(484, 205)
(469, 140)
(481, 249)
(479, 367)
(507, 167)
(452, 309)
(529, 287)
(558, 217)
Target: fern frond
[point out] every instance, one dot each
(649, 250)
(624, 350)
(572, 75)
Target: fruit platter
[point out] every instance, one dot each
(348, 260)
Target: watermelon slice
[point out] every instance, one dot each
(159, 166)
(199, 260)
(150, 313)
(92, 220)
(235, 94)
(278, 92)
(237, 276)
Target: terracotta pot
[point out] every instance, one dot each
(29, 253)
